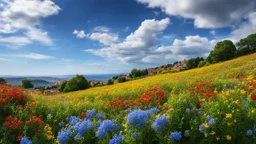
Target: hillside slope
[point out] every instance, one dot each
(225, 73)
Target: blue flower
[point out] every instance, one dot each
(24, 140)
(116, 139)
(73, 120)
(175, 136)
(208, 118)
(188, 110)
(128, 111)
(211, 122)
(63, 135)
(201, 128)
(159, 123)
(61, 124)
(249, 132)
(105, 127)
(83, 127)
(100, 116)
(137, 117)
(152, 110)
(90, 114)
(136, 136)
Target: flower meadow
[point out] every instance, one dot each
(214, 104)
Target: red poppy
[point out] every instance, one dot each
(83, 115)
(18, 138)
(253, 96)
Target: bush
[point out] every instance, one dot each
(27, 84)
(2, 81)
(77, 83)
(62, 86)
(121, 79)
(110, 82)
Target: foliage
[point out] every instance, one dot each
(223, 51)
(79, 82)
(62, 86)
(214, 104)
(247, 45)
(110, 82)
(121, 79)
(194, 62)
(135, 73)
(2, 81)
(27, 83)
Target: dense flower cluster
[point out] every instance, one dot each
(73, 120)
(175, 136)
(105, 127)
(160, 123)
(152, 97)
(90, 114)
(24, 140)
(117, 139)
(12, 122)
(139, 117)
(82, 128)
(64, 135)
(9, 94)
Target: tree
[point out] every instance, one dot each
(121, 79)
(110, 82)
(79, 82)
(62, 86)
(2, 81)
(27, 83)
(246, 45)
(224, 50)
(193, 62)
(138, 73)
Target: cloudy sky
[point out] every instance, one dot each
(58, 37)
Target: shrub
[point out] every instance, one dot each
(62, 86)
(121, 79)
(27, 83)
(77, 83)
(110, 82)
(2, 81)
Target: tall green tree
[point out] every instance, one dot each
(193, 62)
(223, 51)
(62, 86)
(247, 45)
(27, 83)
(79, 82)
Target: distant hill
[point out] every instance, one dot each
(37, 81)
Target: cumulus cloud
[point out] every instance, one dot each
(213, 32)
(137, 45)
(206, 13)
(100, 34)
(15, 41)
(140, 46)
(102, 29)
(245, 29)
(79, 34)
(17, 15)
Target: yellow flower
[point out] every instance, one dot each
(206, 125)
(157, 116)
(217, 138)
(234, 121)
(229, 137)
(250, 77)
(168, 116)
(242, 91)
(253, 111)
(213, 133)
(229, 115)
(229, 123)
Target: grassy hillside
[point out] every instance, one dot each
(214, 104)
(222, 73)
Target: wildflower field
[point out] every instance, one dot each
(213, 104)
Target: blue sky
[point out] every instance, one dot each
(59, 37)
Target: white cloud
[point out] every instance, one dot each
(79, 34)
(104, 38)
(206, 13)
(38, 35)
(25, 15)
(102, 35)
(101, 29)
(35, 56)
(245, 29)
(213, 32)
(137, 45)
(15, 41)
(126, 29)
